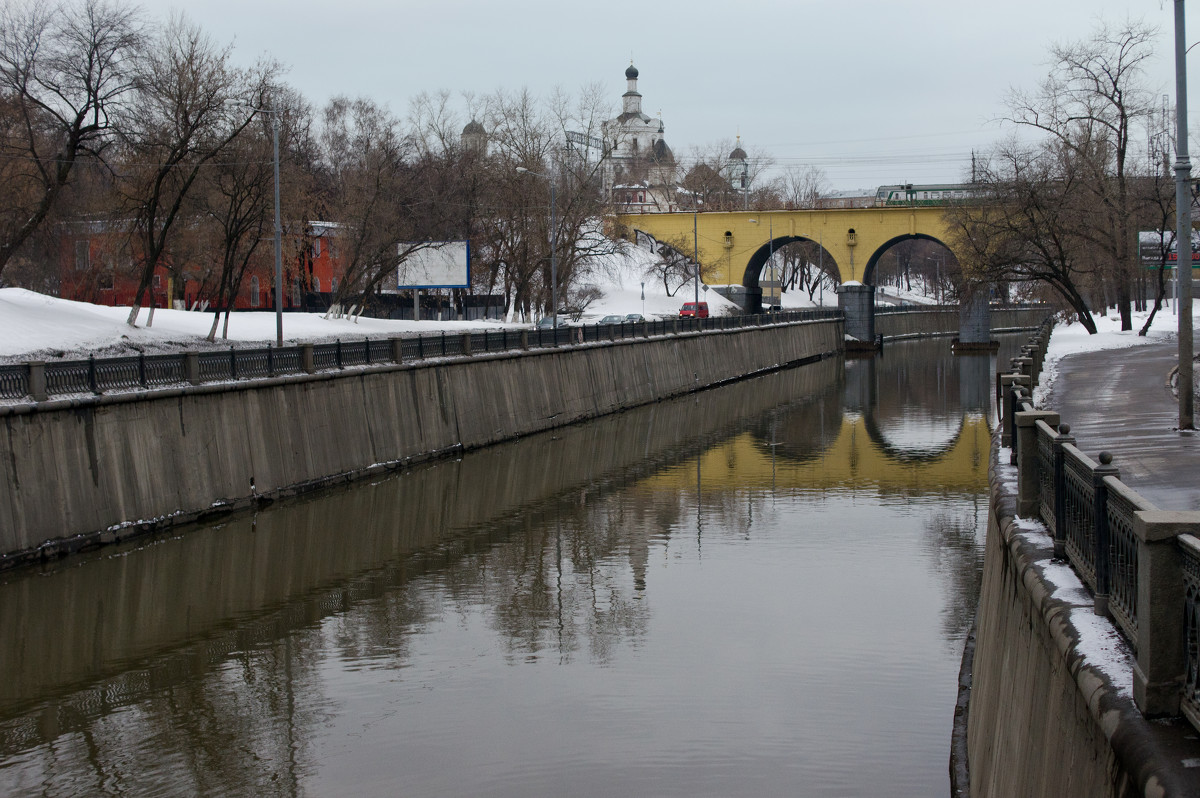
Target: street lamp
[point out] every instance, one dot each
(1183, 232)
(553, 242)
(274, 112)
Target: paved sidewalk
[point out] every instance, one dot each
(1119, 401)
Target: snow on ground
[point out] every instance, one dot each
(39, 327)
(36, 326)
(1070, 339)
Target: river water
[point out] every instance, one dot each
(759, 590)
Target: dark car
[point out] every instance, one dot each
(611, 320)
(634, 317)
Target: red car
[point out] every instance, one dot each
(698, 309)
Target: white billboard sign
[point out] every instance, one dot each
(434, 264)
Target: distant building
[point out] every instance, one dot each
(474, 138)
(640, 170)
(99, 263)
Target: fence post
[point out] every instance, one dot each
(1158, 671)
(398, 349)
(1007, 405)
(92, 374)
(1028, 486)
(1016, 398)
(142, 369)
(191, 367)
(367, 350)
(232, 363)
(306, 358)
(466, 344)
(1102, 556)
(270, 360)
(1060, 491)
(37, 380)
(524, 339)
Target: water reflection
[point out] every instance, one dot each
(446, 622)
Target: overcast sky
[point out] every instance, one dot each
(872, 91)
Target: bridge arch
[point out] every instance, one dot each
(752, 275)
(873, 261)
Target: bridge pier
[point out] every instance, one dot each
(975, 322)
(857, 303)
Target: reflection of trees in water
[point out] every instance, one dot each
(236, 729)
(954, 543)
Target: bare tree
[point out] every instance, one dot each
(1088, 105)
(64, 71)
(185, 115)
(803, 186)
(1024, 226)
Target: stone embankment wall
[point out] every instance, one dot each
(1043, 719)
(83, 472)
(919, 323)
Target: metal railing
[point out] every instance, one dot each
(1142, 565)
(41, 380)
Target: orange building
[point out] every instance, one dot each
(96, 264)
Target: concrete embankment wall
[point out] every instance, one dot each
(919, 323)
(1043, 720)
(89, 471)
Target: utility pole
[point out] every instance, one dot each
(1183, 224)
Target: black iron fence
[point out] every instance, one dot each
(42, 380)
(1142, 565)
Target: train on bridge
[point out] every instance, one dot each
(935, 194)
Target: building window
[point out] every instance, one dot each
(316, 283)
(81, 254)
(333, 284)
(641, 197)
(255, 301)
(316, 248)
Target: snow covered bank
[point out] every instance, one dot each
(1070, 339)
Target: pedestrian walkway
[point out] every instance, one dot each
(1120, 401)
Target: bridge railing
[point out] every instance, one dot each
(39, 380)
(1141, 564)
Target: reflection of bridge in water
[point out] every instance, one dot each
(927, 430)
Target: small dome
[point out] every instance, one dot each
(632, 72)
(737, 155)
(473, 128)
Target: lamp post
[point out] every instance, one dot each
(1183, 223)
(696, 258)
(274, 112)
(553, 243)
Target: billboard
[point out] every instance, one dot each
(434, 264)
(1150, 244)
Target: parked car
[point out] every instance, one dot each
(547, 323)
(634, 317)
(697, 309)
(612, 320)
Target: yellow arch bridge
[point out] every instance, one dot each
(733, 247)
